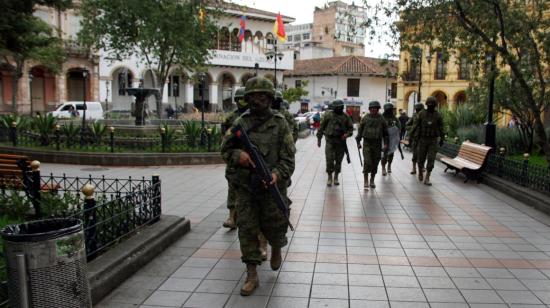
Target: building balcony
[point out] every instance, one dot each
(410, 76)
(73, 48)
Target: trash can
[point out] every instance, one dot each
(46, 264)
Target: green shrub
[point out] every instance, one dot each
(23, 122)
(59, 205)
(465, 115)
(97, 130)
(505, 137)
(192, 132)
(14, 205)
(44, 125)
(70, 131)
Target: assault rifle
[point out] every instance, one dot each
(344, 144)
(262, 171)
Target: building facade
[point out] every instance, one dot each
(356, 80)
(50, 89)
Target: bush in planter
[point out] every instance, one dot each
(97, 131)
(44, 126)
(465, 115)
(192, 132)
(505, 137)
(70, 132)
(23, 123)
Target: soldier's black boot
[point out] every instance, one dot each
(427, 179)
(336, 182)
(365, 181)
(276, 258)
(251, 282)
(414, 168)
(372, 185)
(420, 173)
(384, 173)
(329, 180)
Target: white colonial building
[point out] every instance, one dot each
(356, 80)
(231, 64)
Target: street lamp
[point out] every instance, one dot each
(174, 92)
(202, 78)
(490, 127)
(30, 90)
(273, 54)
(419, 59)
(84, 107)
(107, 86)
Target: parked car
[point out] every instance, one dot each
(94, 110)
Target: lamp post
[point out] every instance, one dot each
(419, 59)
(202, 77)
(273, 54)
(30, 90)
(490, 127)
(107, 86)
(84, 107)
(174, 90)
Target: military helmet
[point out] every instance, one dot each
(387, 106)
(259, 85)
(431, 101)
(239, 94)
(418, 107)
(286, 105)
(278, 95)
(374, 104)
(337, 103)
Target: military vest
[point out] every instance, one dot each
(373, 127)
(429, 124)
(336, 125)
(391, 121)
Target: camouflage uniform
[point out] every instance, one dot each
(278, 106)
(230, 172)
(256, 209)
(334, 124)
(413, 139)
(391, 121)
(429, 127)
(373, 130)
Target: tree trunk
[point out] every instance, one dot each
(16, 75)
(159, 99)
(543, 138)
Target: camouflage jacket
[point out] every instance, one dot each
(428, 125)
(391, 120)
(230, 118)
(333, 126)
(274, 141)
(373, 128)
(291, 123)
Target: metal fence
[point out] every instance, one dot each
(111, 209)
(111, 142)
(519, 172)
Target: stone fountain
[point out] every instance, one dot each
(141, 94)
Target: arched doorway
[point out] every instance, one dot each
(176, 90)
(75, 85)
(227, 82)
(460, 98)
(122, 78)
(248, 41)
(202, 90)
(258, 40)
(441, 99)
(42, 88)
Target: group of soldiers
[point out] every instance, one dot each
(253, 208)
(380, 134)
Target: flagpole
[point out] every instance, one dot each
(276, 62)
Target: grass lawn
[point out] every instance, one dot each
(539, 160)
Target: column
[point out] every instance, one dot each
(189, 92)
(213, 97)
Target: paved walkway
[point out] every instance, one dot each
(401, 245)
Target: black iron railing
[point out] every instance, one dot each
(520, 172)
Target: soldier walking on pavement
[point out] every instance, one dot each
(337, 127)
(373, 130)
(413, 139)
(278, 106)
(394, 132)
(429, 127)
(256, 209)
(231, 172)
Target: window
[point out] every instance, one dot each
(298, 83)
(463, 68)
(297, 37)
(289, 38)
(235, 44)
(440, 66)
(353, 87)
(174, 86)
(305, 36)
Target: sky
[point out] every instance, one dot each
(302, 10)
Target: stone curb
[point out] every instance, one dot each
(108, 271)
(116, 159)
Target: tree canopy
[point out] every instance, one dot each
(516, 32)
(160, 33)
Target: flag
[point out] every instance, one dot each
(279, 28)
(242, 29)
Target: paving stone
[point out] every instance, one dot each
(443, 295)
(287, 302)
(167, 298)
(519, 297)
(506, 284)
(368, 293)
(481, 297)
(357, 303)
(180, 284)
(292, 290)
(207, 300)
(237, 301)
(406, 294)
(328, 291)
(328, 303)
(436, 283)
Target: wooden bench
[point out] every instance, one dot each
(11, 173)
(470, 160)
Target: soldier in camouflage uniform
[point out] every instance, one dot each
(413, 139)
(230, 172)
(256, 209)
(429, 127)
(337, 127)
(391, 121)
(373, 130)
(277, 105)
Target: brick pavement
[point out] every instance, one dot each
(401, 245)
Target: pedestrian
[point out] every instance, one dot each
(231, 171)
(316, 121)
(429, 126)
(394, 131)
(256, 210)
(336, 126)
(413, 139)
(403, 119)
(373, 131)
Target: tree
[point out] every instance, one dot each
(516, 32)
(161, 33)
(24, 37)
(295, 94)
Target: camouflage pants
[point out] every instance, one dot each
(231, 195)
(257, 212)
(414, 150)
(427, 150)
(334, 154)
(387, 158)
(372, 153)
